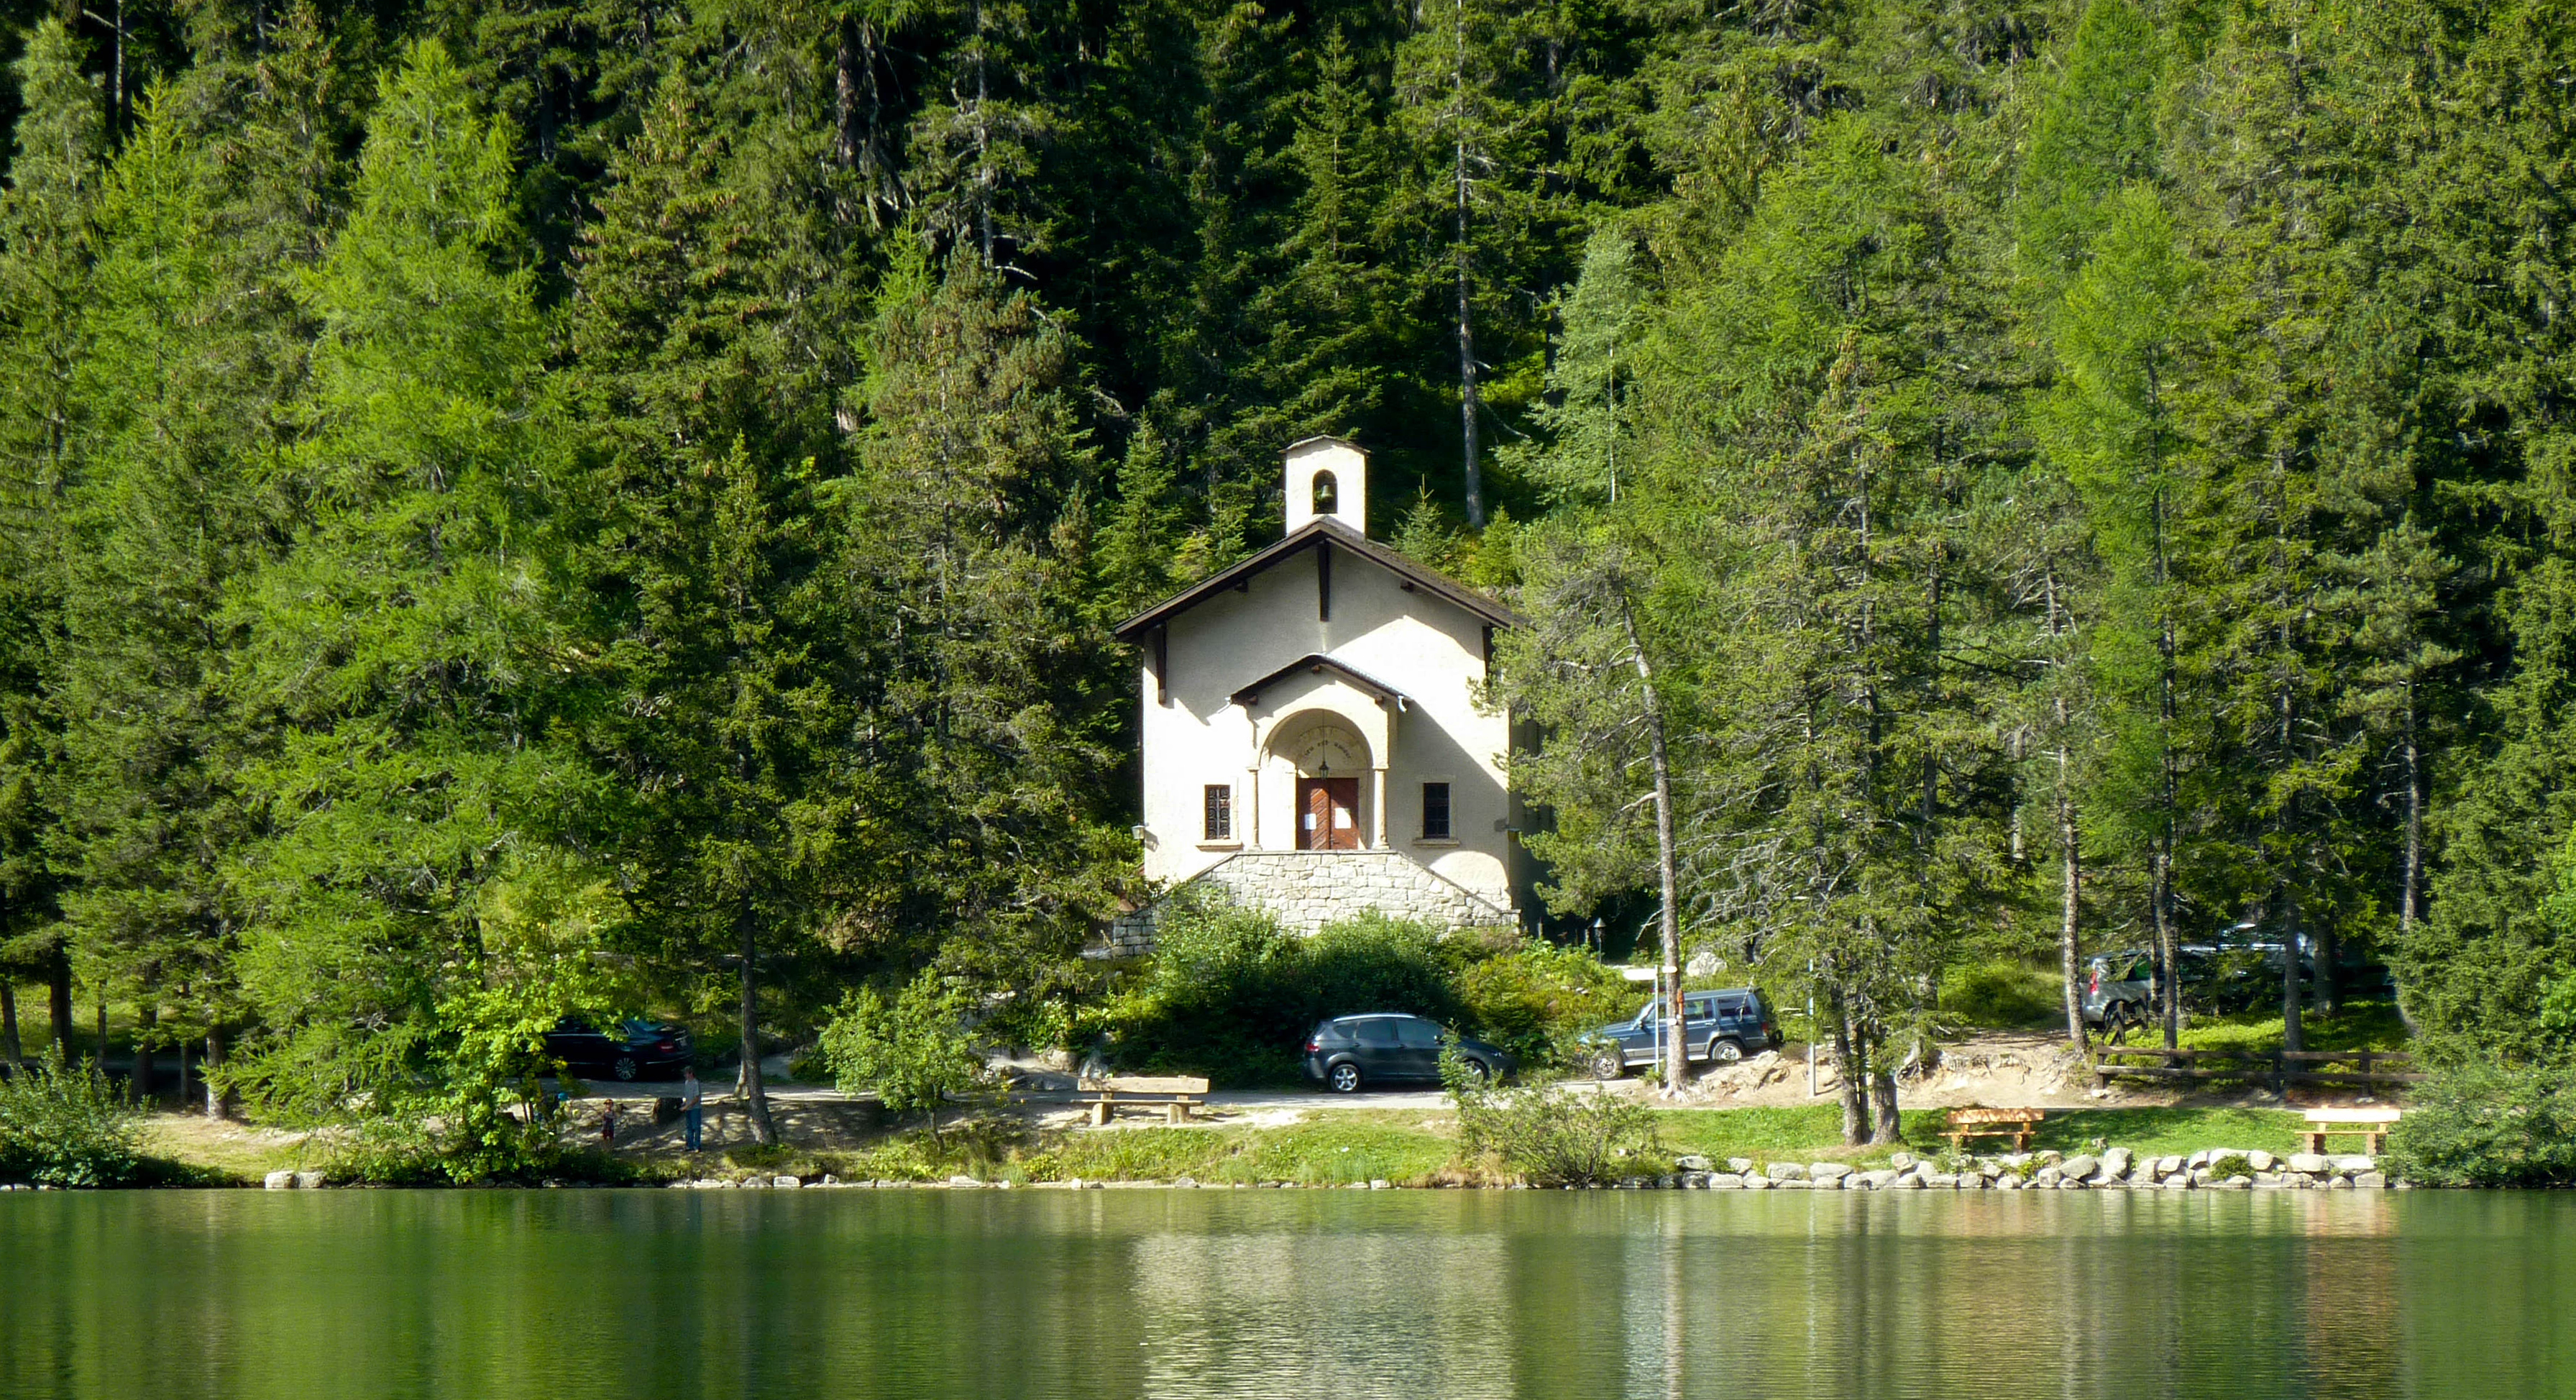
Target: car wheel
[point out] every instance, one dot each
(1609, 1063)
(626, 1067)
(1344, 1077)
(1479, 1074)
(1724, 1052)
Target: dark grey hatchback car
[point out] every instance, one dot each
(1348, 1053)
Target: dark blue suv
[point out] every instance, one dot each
(1348, 1052)
(1720, 1027)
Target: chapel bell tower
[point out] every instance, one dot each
(1327, 477)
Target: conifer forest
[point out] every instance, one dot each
(508, 502)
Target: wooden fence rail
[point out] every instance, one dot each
(2370, 1068)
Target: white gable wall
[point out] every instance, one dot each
(1420, 645)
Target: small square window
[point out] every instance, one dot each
(1220, 812)
(1435, 811)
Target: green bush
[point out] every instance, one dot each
(1554, 1136)
(912, 1052)
(421, 1150)
(2488, 1126)
(1232, 995)
(62, 1126)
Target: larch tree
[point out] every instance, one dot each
(47, 246)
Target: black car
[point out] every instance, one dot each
(1348, 1052)
(638, 1049)
(1721, 1026)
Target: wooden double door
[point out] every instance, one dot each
(1328, 814)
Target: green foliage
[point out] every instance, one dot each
(464, 1101)
(1554, 1135)
(2002, 995)
(911, 1052)
(1536, 1000)
(2102, 463)
(1233, 995)
(61, 1125)
(2488, 1125)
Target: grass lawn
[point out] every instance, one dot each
(1812, 1132)
(1333, 1150)
(226, 1152)
(1415, 1148)
(1405, 1147)
(2361, 1026)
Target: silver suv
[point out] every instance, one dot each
(2119, 991)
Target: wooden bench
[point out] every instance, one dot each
(2014, 1123)
(1177, 1095)
(2371, 1124)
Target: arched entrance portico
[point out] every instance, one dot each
(1326, 759)
(1322, 768)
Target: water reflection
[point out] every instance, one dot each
(1252, 1294)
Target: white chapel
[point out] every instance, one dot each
(1313, 742)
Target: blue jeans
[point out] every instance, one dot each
(694, 1113)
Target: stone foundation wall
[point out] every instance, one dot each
(1309, 889)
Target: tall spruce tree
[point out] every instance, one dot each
(691, 360)
(981, 835)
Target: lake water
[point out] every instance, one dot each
(1339, 1295)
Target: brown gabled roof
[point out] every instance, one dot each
(1319, 662)
(1321, 532)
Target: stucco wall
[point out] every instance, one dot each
(1429, 649)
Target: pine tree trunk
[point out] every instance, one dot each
(183, 1076)
(1470, 398)
(1883, 1102)
(845, 99)
(9, 1049)
(2167, 954)
(755, 1095)
(2408, 908)
(1851, 1073)
(1667, 856)
(2070, 885)
(2293, 1035)
(2160, 894)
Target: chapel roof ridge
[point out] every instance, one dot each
(1315, 533)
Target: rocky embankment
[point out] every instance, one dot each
(2118, 1168)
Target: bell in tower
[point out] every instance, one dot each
(1327, 479)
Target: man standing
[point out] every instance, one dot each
(690, 1097)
